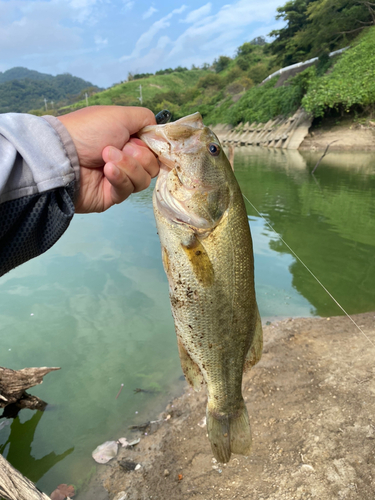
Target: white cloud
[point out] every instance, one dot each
(180, 10)
(30, 28)
(100, 42)
(219, 29)
(163, 42)
(149, 13)
(82, 4)
(146, 38)
(84, 10)
(198, 14)
(128, 5)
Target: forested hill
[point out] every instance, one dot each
(20, 73)
(22, 90)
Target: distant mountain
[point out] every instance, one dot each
(22, 90)
(19, 73)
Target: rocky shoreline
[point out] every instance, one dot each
(311, 405)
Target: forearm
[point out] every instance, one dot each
(39, 180)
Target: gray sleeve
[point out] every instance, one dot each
(39, 180)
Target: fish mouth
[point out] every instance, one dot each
(173, 138)
(177, 210)
(168, 142)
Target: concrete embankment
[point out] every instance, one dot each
(285, 133)
(297, 132)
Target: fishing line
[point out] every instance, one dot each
(312, 274)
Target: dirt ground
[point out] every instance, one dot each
(348, 136)
(311, 401)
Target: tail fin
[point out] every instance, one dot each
(229, 433)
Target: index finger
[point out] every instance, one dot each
(134, 117)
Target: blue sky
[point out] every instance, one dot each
(102, 40)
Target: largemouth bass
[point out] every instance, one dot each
(208, 258)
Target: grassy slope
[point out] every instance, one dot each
(127, 93)
(233, 96)
(350, 86)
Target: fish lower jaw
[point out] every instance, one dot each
(177, 212)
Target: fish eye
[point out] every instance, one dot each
(214, 149)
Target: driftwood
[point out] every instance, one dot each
(14, 486)
(13, 397)
(323, 155)
(13, 385)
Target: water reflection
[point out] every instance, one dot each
(17, 449)
(329, 223)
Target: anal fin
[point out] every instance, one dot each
(255, 352)
(191, 370)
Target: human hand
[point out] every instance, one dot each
(112, 164)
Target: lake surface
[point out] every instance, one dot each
(97, 304)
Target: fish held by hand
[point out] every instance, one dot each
(208, 258)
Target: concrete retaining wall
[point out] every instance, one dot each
(286, 133)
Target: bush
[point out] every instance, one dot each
(233, 75)
(235, 88)
(246, 82)
(211, 80)
(258, 73)
(350, 85)
(262, 103)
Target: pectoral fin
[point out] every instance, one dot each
(255, 352)
(191, 370)
(200, 261)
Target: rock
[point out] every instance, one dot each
(307, 468)
(120, 496)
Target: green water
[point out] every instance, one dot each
(97, 306)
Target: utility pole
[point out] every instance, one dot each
(45, 103)
(52, 103)
(140, 92)
(87, 99)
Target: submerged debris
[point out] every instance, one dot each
(146, 391)
(134, 442)
(123, 442)
(105, 452)
(127, 465)
(140, 427)
(63, 491)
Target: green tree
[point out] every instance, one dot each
(334, 24)
(284, 47)
(315, 27)
(247, 55)
(221, 63)
(259, 40)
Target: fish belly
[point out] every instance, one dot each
(216, 318)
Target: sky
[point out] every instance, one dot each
(103, 40)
